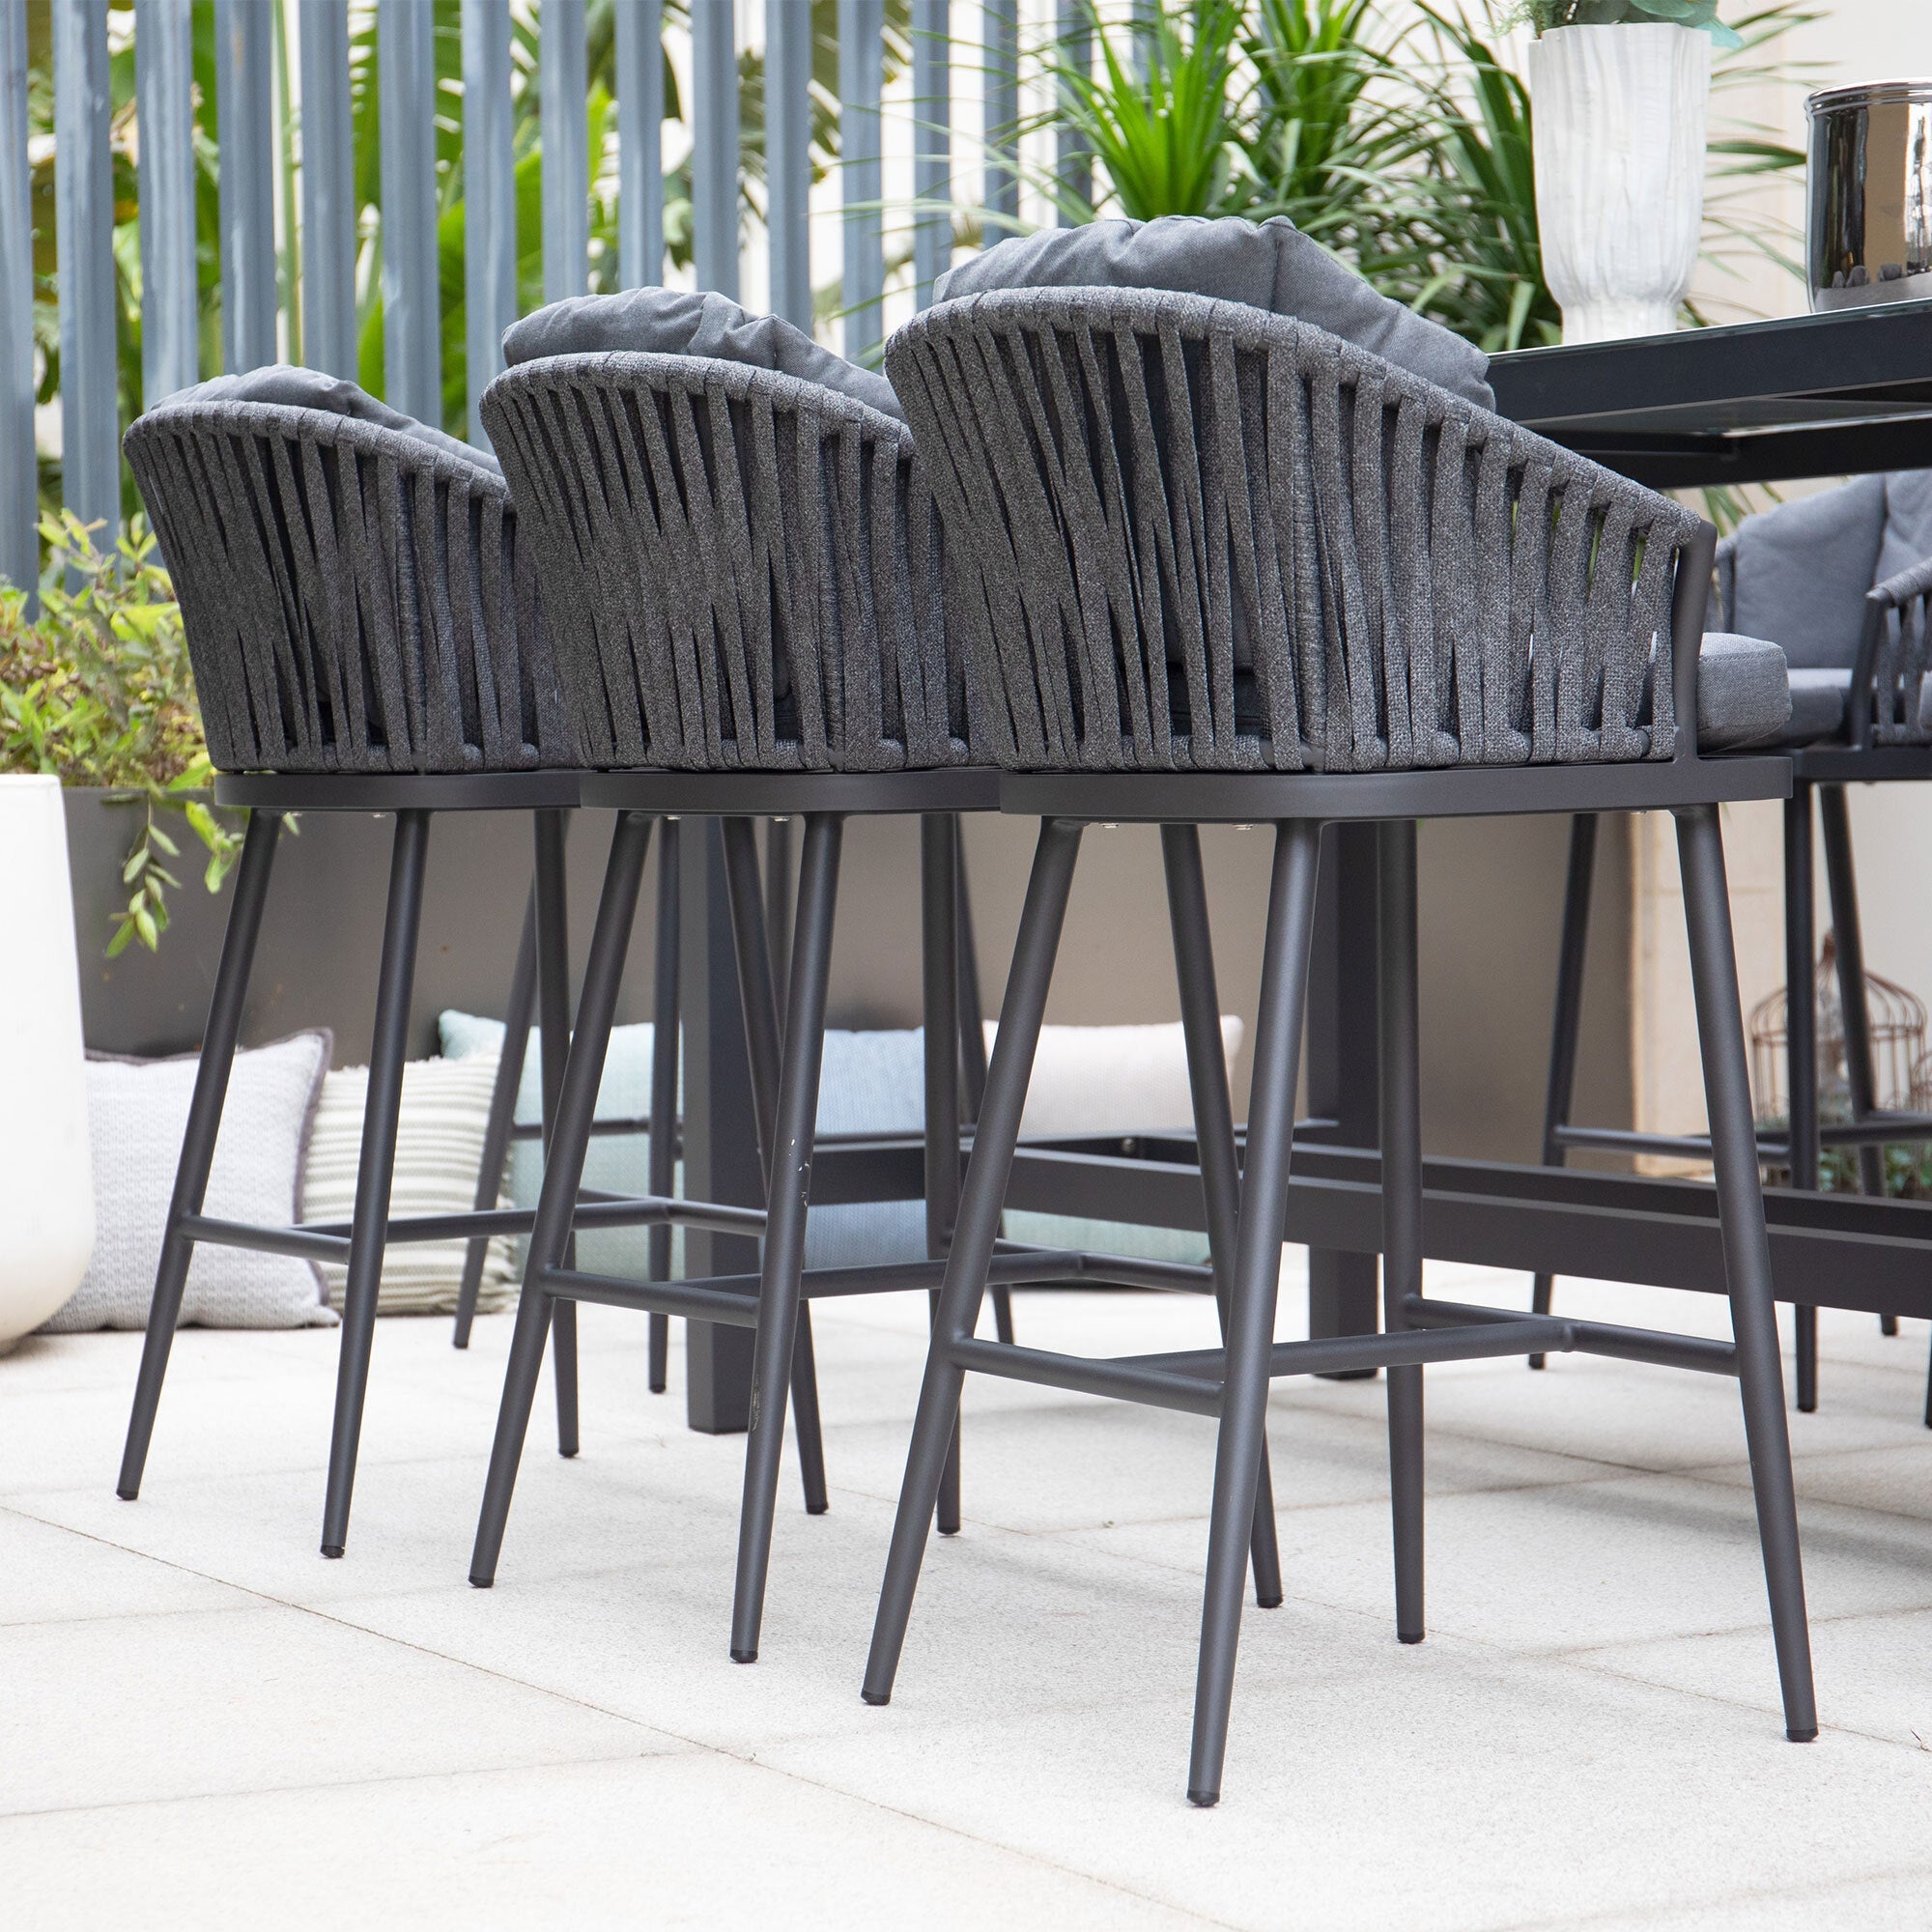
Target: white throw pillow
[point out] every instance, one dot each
(1112, 1079)
(440, 1131)
(137, 1115)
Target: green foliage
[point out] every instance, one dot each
(97, 692)
(1543, 14)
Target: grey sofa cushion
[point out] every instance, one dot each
(1800, 573)
(677, 322)
(1743, 694)
(1272, 265)
(299, 388)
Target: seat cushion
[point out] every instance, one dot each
(298, 389)
(1743, 693)
(1817, 705)
(1271, 266)
(678, 322)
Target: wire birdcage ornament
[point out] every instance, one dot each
(1900, 1063)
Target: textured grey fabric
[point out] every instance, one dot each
(351, 593)
(1908, 522)
(1798, 574)
(678, 322)
(1121, 472)
(1743, 693)
(1271, 266)
(741, 570)
(1817, 705)
(299, 388)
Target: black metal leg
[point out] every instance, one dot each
(563, 1172)
(777, 902)
(1800, 1036)
(1214, 1131)
(759, 1002)
(973, 1037)
(1734, 1156)
(780, 1329)
(517, 1013)
(203, 1124)
(1401, 1039)
(974, 1233)
(553, 992)
(663, 1177)
(939, 955)
(368, 1228)
(1237, 1453)
(1566, 1025)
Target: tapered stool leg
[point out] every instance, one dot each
(663, 1174)
(204, 1122)
(502, 1116)
(1568, 1024)
(789, 1198)
(376, 1166)
(1714, 975)
(564, 1173)
(1251, 1305)
(763, 1049)
(1401, 1041)
(554, 1023)
(973, 1037)
(974, 1234)
(939, 956)
(1801, 1037)
(1214, 1130)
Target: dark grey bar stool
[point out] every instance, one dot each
(743, 574)
(364, 637)
(1211, 564)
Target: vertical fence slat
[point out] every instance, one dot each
(1002, 112)
(862, 77)
(488, 199)
(566, 160)
(1073, 165)
(789, 157)
(932, 142)
(406, 114)
(19, 552)
(327, 189)
(84, 238)
(714, 152)
(245, 46)
(640, 106)
(165, 106)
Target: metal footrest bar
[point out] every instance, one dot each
(612, 1129)
(1772, 1145)
(1158, 1388)
(1590, 1338)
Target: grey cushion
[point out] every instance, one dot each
(1800, 573)
(299, 388)
(676, 321)
(1272, 265)
(1908, 522)
(1744, 695)
(1817, 705)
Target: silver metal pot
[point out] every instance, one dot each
(1868, 183)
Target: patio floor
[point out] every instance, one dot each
(203, 1724)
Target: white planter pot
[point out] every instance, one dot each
(1620, 114)
(46, 1173)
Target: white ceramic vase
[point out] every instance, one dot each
(46, 1172)
(1620, 114)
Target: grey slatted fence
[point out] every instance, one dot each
(330, 244)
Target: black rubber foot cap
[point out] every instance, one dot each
(817, 1509)
(875, 1697)
(657, 1388)
(1536, 1361)
(1809, 1736)
(568, 1454)
(1268, 1603)
(481, 1582)
(744, 1656)
(333, 1549)
(1204, 1801)
(134, 1495)
(1402, 1637)
(953, 1531)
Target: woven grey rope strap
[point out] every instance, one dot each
(353, 599)
(1188, 534)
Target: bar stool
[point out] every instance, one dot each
(1443, 614)
(365, 637)
(743, 574)
(1802, 573)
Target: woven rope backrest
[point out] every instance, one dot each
(352, 598)
(1899, 611)
(741, 569)
(1189, 534)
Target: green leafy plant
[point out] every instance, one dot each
(1543, 14)
(97, 692)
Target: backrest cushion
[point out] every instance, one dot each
(678, 322)
(1271, 266)
(299, 388)
(1802, 571)
(1907, 522)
